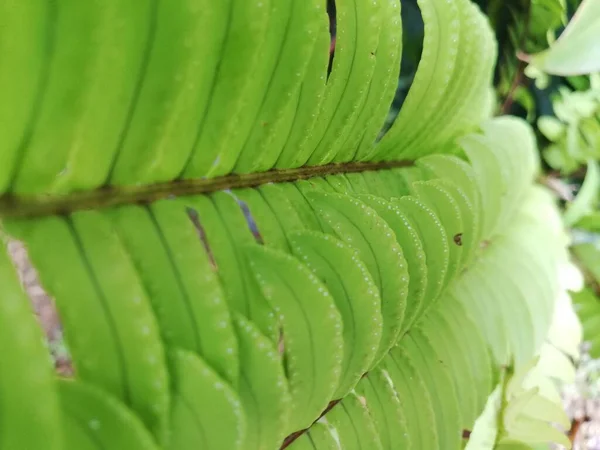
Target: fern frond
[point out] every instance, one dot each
(357, 292)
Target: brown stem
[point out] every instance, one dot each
(292, 437)
(43, 205)
(575, 425)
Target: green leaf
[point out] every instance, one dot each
(237, 251)
(411, 388)
(434, 195)
(412, 246)
(224, 231)
(485, 430)
(25, 63)
(489, 179)
(576, 51)
(359, 226)
(587, 306)
(356, 297)
(382, 87)
(454, 355)
(263, 388)
(456, 34)
(242, 29)
(173, 279)
(386, 409)
(435, 245)
(28, 394)
(297, 147)
(194, 386)
(357, 41)
(437, 380)
(92, 419)
(587, 199)
(89, 58)
(172, 92)
(551, 127)
(304, 442)
(354, 425)
(311, 330)
(109, 324)
(292, 36)
(509, 444)
(321, 435)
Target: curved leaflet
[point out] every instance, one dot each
(109, 324)
(95, 420)
(28, 394)
(311, 326)
(353, 424)
(355, 295)
(360, 227)
(194, 386)
(263, 388)
(386, 410)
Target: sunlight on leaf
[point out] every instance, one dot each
(576, 52)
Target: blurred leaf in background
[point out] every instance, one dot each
(577, 50)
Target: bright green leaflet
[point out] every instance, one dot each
(126, 360)
(192, 424)
(21, 87)
(468, 292)
(409, 240)
(296, 35)
(263, 388)
(85, 83)
(187, 320)
(356, 297)
(358, 225)
(320, 434)
(267, 221)
(304, 442)
(575, 52)
(354, 425)
(161, 127)
(439, 384)
(452, 354)
(434, 196)
(231, 91)
(382, 88)
(93, 420)
(437, 62)
(311, 327)
(386, 410)
(282, 206)
(435, 245)
(477, 349)
(489, 179)
(297, 148)
(30, 381)
(358, 30)
(408, 383)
